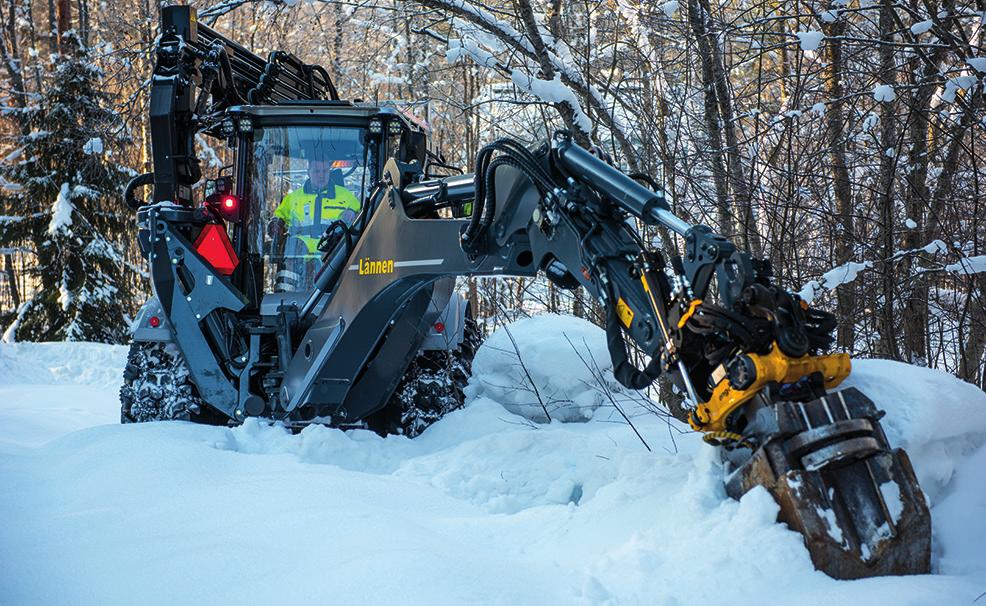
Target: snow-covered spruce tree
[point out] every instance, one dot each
(68, 195)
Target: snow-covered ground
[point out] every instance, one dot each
(485, 507)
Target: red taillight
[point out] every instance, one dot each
(214, 246)
(227, 205)
(439, 327)
(154, 321)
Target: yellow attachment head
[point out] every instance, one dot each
(773, 367)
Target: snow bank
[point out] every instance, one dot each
(935, 417)
(552, 362)
(50, 389)
(93, 364)
(484, 507)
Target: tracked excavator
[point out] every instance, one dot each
(353, 322)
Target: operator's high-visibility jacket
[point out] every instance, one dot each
(308, 213)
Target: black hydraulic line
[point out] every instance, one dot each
(512, 153)
(133, 203)
(644, 177)
(329, 84)
(284, 71)
(623, 370)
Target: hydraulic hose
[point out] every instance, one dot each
(484, 205)
(625, 372)
(129, 197)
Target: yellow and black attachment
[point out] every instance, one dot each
(752, 372)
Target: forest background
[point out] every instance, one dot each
(839, 139)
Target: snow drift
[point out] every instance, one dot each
(484, 507)
(557, 365)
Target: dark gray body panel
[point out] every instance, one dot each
(141, 328)
(362, 321)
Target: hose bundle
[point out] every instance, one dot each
(511, 153)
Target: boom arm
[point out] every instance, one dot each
(582, 232)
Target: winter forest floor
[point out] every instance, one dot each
(485, 507)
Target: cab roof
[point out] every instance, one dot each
(311, 111)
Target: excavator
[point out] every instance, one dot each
(354, 322)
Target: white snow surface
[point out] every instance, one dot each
(485, 507)
(552, 91)
(884, 92)
(968, 265)
(93, 146)
(922, 26)
(670, 8)
(809, 40)
(953, 85)
(832, 279)
(558, 364)
(61, 210)
(977, 63)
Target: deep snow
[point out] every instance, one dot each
(485, 507)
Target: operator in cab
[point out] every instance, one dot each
(303, 216)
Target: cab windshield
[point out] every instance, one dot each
(306, 180)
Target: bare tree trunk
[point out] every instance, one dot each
(337, 43)
(84, 22)
(698, 21)
(11, 58)
(950, 162)
(885, 191)
(64, 12)
(474, 298)
(971, 359)
(734, 159)
(554, 18)
(578, 309)
(52, 27)
(922, 208)
(915, 309)
(842, 186)
(8, 270)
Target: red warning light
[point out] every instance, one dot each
(154, 321)
(439, 327)
(226, 204)
(214, 246)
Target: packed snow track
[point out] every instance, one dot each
(485, 507)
